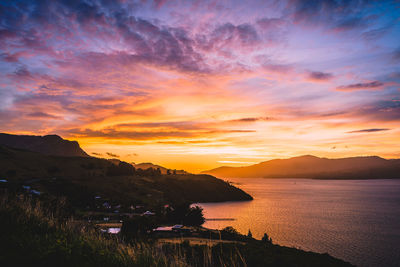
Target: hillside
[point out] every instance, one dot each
(48, 144)
(80, 179)
(318, 168)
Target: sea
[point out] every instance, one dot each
(355, 220)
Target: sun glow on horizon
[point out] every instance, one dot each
(195, 87)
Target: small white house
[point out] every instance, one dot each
(163, 229)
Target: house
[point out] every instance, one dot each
(163, 229)
(113, 230)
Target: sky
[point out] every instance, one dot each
(199, 84)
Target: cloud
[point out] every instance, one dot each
(229, 36)
(334, 15)
(376, 34)
(271, 24)
(370, 130)
(140, 39)
(252, 119)
(131, 70)
(178, 125)
(386, 110)
(42, 115)
(374, 85)
(132, 135)
(10, 57)
(349, 24)
(23, 73)
(319, 76)
(396, 54)
(112, 155)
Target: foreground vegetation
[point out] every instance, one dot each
(37, 233)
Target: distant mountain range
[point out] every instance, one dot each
(308, 166)
(49, 144)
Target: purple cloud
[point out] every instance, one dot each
(361, 86)
(252, 119)
(370, 130)
(320, 76)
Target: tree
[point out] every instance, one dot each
(194, 216)
(121, 169)
(249, 234)
(266, 239)
(186, 215)
(229, 233)
(137, 227)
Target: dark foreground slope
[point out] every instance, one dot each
(317, 168)
(31, 235)
(48, 144)
(81, 179)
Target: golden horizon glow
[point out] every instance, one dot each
(221, 86)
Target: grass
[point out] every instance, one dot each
(30, 229)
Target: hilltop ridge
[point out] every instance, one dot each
(49, 144)
(309, 166)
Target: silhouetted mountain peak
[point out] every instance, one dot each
(48, 144)
(53, 137)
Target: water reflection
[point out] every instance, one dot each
(358, 221)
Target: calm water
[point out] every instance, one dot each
(358, 221)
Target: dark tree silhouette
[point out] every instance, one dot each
(137, 227)
(186, 215)
(194, 216)
(249, 234)
(266, 239)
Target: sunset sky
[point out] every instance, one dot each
(199, 84)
